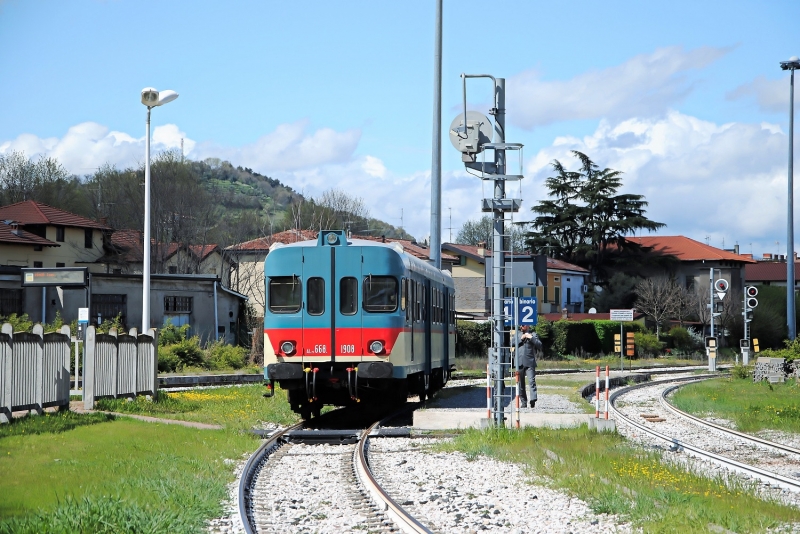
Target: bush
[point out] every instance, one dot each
(20, 323)
(789, 353)
(742, 371)
(172, 334)
(681, 339)
(221, 356)
(647, 344)
(473, 339)
(187, 352)
(168, 361)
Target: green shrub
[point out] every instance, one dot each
(790, 352)
(222, 356)
(647, 344)
(187, 351)
(168, 361)
(742, 371)
(473, 338)
(171, 334)
(20, 323)
(680, 338)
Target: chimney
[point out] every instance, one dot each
(482, 248)
(383, 239)
(767, 256)
(736, 248)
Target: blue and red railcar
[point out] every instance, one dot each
(348, 320)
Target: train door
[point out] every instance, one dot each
(317, 311)
(347, 317)
(445, 332)
(427, 316)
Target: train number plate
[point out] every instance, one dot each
(318, 349)
(347, 349)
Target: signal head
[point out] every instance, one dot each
(751, 291)
(751, 302)
(721, 285)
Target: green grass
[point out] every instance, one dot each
(615, 477)
(235, 408)
(751, 406)
(90, 473)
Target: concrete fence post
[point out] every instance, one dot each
(153, 357)
(133, 333)
(114, 364)
(38, 387)
(6, 347)
(88, 368)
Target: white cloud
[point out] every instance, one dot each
(724, 181)
(287, 148)
(772, 96)
(645, 85)
(374, 167)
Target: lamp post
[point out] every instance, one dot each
(791, 66)
(150, 98)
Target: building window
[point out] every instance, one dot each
(557, 296)
(37, 248)
(108, 307)
(690, 283)
(37, 265)
(10, 302)
(60, 264)
(116, 271)
(60, 234)
(462, 260)
(175, 304)
(87, 238)
(172, 269)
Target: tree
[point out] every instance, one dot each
(586, 221)
(482, 231)
(22, 178)
(657, 298)
(620, 292)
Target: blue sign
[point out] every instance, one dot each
(526, 311)
(508, 306)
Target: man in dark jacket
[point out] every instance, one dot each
(528, 347)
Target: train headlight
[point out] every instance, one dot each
(287, 347)
(376, 347)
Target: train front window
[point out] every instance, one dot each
(316, 296)
(380, 293)
(348, 296)
(285, 294)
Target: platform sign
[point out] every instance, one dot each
(508, 310)
(621, 315)
(83, 315)
(527, 311)
(60, 276)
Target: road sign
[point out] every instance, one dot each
(526, 311)
(621, 315)
(83, 315)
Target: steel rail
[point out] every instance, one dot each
(738, 467)
(405, 521)
(249, 470)
(749, 437)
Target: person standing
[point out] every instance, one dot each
(528, 347)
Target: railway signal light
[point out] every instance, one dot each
(721, 285)
(755, 344)
(751, 291)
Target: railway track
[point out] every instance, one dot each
(774, 465)
(332, 464)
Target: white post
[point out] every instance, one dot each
(146, 244)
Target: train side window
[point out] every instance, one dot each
(315, 289)
(348, 296)
(380, 293)
(403, 289)
(285, 294)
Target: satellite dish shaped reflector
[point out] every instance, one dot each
(721, 285)
(471, 137)
(592, 310)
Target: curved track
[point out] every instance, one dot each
(733, 450)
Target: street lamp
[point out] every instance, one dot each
(150, 98)
(791, 66)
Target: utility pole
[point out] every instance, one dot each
(436, 164)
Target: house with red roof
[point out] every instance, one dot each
(770, 272)
(564, 287)
(696, 259)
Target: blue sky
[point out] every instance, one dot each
(687, 98)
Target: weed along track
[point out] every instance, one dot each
(644, 414)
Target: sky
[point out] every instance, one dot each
(686, 98)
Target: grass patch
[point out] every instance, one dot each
(51, 423)
(118, 475)
(751, 406)
(235, 407)
(614, 477)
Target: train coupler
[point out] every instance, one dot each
(270, 389)
(352, 389)
(311, 383)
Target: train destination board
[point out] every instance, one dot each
(64, 276)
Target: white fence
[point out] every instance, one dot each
(34, 370)
(34, 367)
(123, 365)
